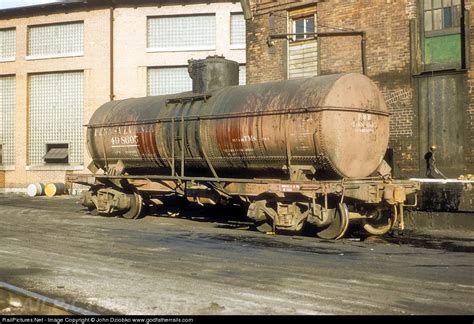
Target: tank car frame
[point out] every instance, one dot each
(376, 203)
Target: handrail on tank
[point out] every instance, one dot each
(245, 114)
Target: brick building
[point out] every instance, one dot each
(61, 61)
(419, 52)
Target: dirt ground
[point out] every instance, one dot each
(208, 261)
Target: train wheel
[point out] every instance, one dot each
(338, 226)
(136, 207)
(263, 213)
(264, 226)
(380, 222)
(93, 211)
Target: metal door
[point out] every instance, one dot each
(442, 101)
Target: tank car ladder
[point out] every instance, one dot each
(181, 138)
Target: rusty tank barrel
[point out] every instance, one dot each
(321, 127)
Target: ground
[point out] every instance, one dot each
(201, 263)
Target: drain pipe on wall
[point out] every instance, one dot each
(111, 58)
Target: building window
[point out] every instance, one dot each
(58, 40)
(7, 44)
(441, 14)
(168, 80)
(182, 33)
(303, 25)
(7, 119)
(242, 75)
(442, 34)
(303, 49)
(56, 115)
(237, 30)
(57, 153)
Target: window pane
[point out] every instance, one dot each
(437, 19)
(168, 80)
(428, 20)
(299, 27)
(7, 44)
(456, 2)
(310, 25)
(447, 18)
(7, 119)
(456, 16)
(56, 39)
(187, 32)
(427, 4)
(446, 3)
(237, 29)
(56, 110)
(436, 4)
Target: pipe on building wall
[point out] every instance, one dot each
(289, 36)
(111, 51)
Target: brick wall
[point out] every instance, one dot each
(388, 61)
(387, 56)
(267, 60)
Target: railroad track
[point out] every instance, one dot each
(18, 301)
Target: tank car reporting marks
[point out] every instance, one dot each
(248, 138)
(364, 123)
(289, 187)
(124, 141)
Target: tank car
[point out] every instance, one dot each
(296, 152)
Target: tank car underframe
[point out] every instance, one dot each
(274, 205)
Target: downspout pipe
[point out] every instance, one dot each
(111, 53)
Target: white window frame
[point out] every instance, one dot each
(53, 56)
(191, 48)
(10, 58)
(293, 25)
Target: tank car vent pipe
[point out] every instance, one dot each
(213, 72)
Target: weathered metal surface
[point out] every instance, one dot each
(442, 101)
(371, 191)
(212, 73)
(337, 124)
